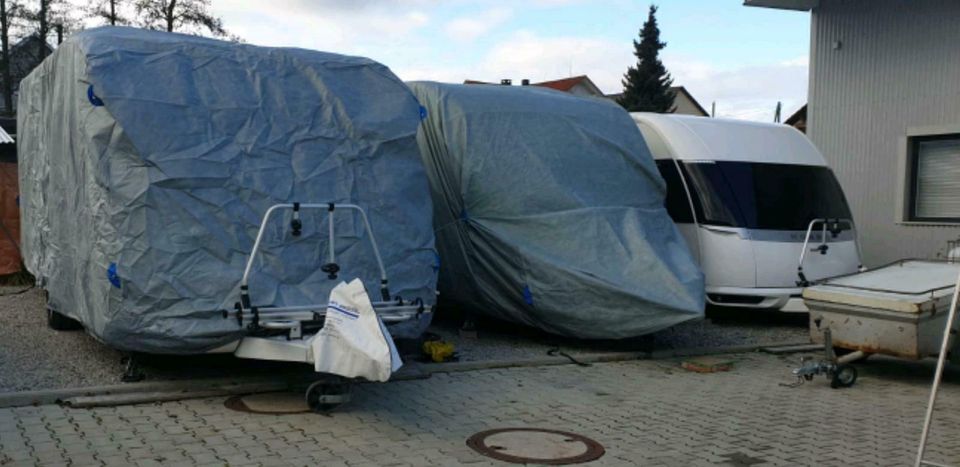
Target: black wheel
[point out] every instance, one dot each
(61, 322)
(808, 377)
(324, 396)
(843, 377)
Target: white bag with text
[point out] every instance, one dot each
(354, 343)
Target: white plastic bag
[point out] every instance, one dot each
(354, 342)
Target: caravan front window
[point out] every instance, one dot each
(763, 196)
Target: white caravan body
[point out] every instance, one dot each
(749, 198)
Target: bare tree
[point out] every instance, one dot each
(189, 16)
(49, 16)
(9, 9)
(110, 11)
(43, 27)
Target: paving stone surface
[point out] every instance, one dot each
(648, 413)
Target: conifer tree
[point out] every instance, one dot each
(646, 87)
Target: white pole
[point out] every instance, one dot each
(941, 362)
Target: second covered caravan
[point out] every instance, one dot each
(549, 211)
(758, 205)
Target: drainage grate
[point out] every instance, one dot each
(278, 403)
(535, 446)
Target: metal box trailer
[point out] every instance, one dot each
(899, 309)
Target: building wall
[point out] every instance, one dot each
(897, 68)
(582, 90)
(685, 106)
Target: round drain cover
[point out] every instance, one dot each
(269, 403)
(535, 446)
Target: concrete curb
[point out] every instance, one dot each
(218, 386)
(165, 391)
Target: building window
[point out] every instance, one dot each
(935, 178)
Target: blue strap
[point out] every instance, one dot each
(96, 101)
(112, 275)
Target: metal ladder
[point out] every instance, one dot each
(948, 331)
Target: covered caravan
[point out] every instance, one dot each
(548, 211)
(148, 159)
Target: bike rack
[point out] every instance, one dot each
(833, 226)
(290, 318)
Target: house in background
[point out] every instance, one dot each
(24, 57)
(576, 85)
(683, 102)
(884, 108)
(582, 85)
(799, 119)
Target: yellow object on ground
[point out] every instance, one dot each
(439, 351)
(707, 364)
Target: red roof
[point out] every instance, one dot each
(564, 84)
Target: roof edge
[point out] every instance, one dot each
(796, 5)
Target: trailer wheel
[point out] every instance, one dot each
(325, 395)
(843, 377)
(60, 322)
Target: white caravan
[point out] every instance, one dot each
(756, 203)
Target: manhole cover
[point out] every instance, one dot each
(269, 403)
(535, 446)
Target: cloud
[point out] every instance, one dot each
(748, 93)
(325, 24)
(324, 7)
(552, 3)
(468, 29)
(527, 55)
(402, 35)
(799, 61)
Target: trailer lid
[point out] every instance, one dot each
(907, 286)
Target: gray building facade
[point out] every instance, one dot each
(884, 108)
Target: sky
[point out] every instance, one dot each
(744, 59)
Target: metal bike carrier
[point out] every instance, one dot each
(290, 318)
(948, 331)
(832, 226)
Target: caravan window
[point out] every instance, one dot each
(677, 203)
(764, 196)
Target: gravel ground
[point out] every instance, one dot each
(498, 340)
(32, 356)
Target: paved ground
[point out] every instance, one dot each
(644, 413)
(74, 359)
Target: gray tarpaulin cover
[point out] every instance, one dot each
(147, 160)
(548, 211)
